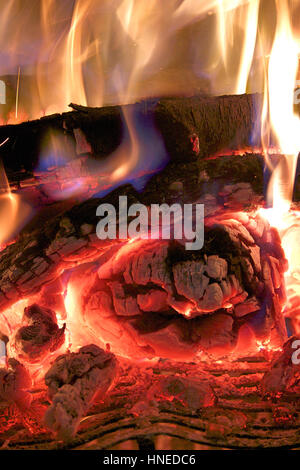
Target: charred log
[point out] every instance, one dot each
(239, 272)
(235, 181)
(49, 245)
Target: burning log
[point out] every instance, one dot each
(192, 393)
(190, 127)
(40, 336)
(75, 381)
(195, 128)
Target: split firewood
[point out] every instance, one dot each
(76, 381)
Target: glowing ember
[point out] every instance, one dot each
(138, 293)
(281, 119)
(14, 213)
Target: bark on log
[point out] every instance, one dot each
(190, 127)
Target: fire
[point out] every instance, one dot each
(282, 73)
(14, 212)
(76, 52)
(92, 54)
(95, 54)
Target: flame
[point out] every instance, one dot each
(232, 20)
(96, 53)
(119, 51)
(78, 53)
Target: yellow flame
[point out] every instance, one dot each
(282, 73)
(248, 45)
(13, 211)
(78, 52)
(93, 52)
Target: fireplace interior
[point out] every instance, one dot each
(135, 342)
